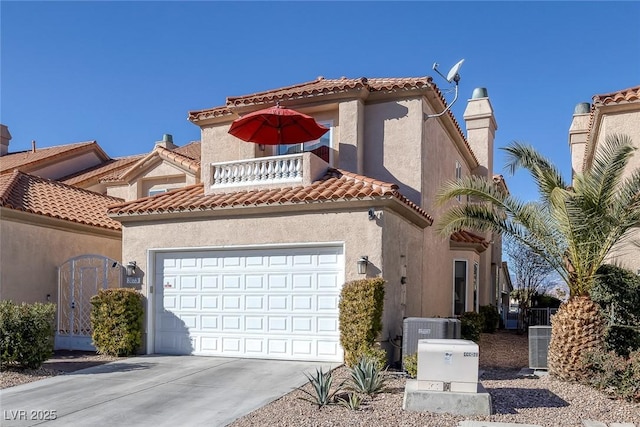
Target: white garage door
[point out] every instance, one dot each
(260, 303)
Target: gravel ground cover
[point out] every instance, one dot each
(516, 399)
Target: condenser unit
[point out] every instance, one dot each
(539, 339)
(417, 328)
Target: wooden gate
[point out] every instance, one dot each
(79, 279)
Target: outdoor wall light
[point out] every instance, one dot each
(131, 268)
(362, 264)
(372, 214)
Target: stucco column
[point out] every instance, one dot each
(578, 134)
(481, 130)
(351, 135)
(5, 137)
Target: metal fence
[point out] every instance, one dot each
(541, 316)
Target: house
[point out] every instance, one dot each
(249, 260)
(611, 113)
(58, 244)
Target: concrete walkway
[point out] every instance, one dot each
(154, 391)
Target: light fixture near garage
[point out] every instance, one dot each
(372, 214)
(131, 268)
(363, 262)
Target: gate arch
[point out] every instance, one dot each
(79, 279)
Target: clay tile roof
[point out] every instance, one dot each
(335, 185)
(110, 168)
(464, 236)
(190, 150)
(631, 94)
(22, 192)
(28, 159)
(181, 159)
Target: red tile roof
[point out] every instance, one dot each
(22, 192)
(26, 160)
(158, 151)
(111, 167)
(335, 185)
(190, 150)
(322, 86)
(464, 236)
(631, 94)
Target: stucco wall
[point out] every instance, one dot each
(31, 254)
(626, 254)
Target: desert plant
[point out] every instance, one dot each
(490, 317)
(574, 228)
(622, 339)
(350, 401)
(366, 377)
(471, 324)
(613, 374)
(360, 307)
(410, 364)
(116, 319)
(377, 354)
(321, 383)
(26, 334)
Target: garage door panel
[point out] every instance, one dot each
(265, 303)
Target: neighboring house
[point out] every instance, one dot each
(250, 261)
(611, 113)
(44, 224)
(47, 217)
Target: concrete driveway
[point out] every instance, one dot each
(154, 391)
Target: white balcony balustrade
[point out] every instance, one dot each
(266, 172)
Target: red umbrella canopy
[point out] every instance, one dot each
(277, 125)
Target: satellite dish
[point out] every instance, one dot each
(452, 76)
(453, 72)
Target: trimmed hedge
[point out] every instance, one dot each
(116, 319)
(361, 305)
(26, 333)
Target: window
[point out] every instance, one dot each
(459, 287)
(157, 191)
(475, 287)
(458, 176)
(320, 147)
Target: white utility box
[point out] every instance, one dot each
(448, 365)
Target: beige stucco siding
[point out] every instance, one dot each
(392, 138)
(402, 256)
(45, 246)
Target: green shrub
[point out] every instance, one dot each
(622, 339)
(471, 324)
(26, 334)
(410, 364)
(490, 317)
(350, 401)
(613, 374)
(361, 305)
(617, 291)
(116, 319)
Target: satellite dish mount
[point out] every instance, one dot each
(452, 76)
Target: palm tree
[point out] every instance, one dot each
(573, 228)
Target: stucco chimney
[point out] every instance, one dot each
(5, 137)
(578, 133)
(481, 130)
(167, 142)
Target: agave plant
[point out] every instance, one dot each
(352, 401)
(366, 377)
(321, 383)
(574, 228)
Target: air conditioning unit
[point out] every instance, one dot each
(417, 328)
(455, 329)
(448, 365)
(539, 339)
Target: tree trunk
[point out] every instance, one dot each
(577, 328)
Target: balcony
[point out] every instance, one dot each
(266, 172)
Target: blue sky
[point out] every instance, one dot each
(124, 73)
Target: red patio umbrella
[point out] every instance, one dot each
(275, 126)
